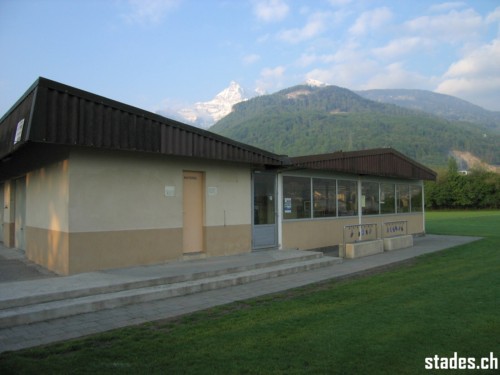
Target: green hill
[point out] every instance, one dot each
(310, 120)
(441, 105)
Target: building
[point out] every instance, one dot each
(88, 183)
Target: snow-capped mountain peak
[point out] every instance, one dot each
(222, 104)
(205, 114)
(233, 93)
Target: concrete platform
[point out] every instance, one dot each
(59, 297)
(38, 333)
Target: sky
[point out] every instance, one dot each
(168, 54)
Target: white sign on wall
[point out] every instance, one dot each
(170, 191)
(212, 190)
(19, 131)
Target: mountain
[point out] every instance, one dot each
(309, 119)
(445, 106)
(205, 114)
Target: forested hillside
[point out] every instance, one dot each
(444, 106)
(310, 120)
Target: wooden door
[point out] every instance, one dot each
(193, 207)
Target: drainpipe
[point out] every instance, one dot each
(360, 206)
(279, 208)
(423, 206)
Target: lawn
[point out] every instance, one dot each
(386, 323)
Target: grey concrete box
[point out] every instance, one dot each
(362, 249)
(399, 242)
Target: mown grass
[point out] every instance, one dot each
(381, 324)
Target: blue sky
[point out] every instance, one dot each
(168, 54)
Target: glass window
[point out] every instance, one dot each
(325, 197)
(416, 198)
(402, 198)
(370, 198)
(346, 197)
(387, 201)
(296, 197)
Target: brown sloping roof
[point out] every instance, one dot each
(385, 162)
(58, 114)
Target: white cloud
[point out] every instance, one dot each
(356, 71)
(348, 52)
(476, 77)
(351, 74)
(306, 60)
(339, 3)
(493, 16)
(447, 6)
(482, 61)
(371, 20)
(395, 76)
(169, 107)
(270, 79)
(270, 10)
(250, 59)
(149, 11)
(480, 91)
(316, 24)
(401, 46)
(452, 27)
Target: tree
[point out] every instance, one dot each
(478, 189)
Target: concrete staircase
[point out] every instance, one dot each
(35, 301)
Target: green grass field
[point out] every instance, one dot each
(386, 323)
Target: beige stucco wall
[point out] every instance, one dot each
(312, 234)
(47, 197)
(47, 216)
(8, 214)
(119, 214)
(228, 240)
(49, 248)
(415, 221)
(115, 249)
(121, 191)
(102, 209)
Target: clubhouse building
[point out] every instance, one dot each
(88, 183)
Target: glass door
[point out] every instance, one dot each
(264, 228)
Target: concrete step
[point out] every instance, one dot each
(83, 285)
(59, 308)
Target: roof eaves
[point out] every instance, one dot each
(318, 161)
(205, 134)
